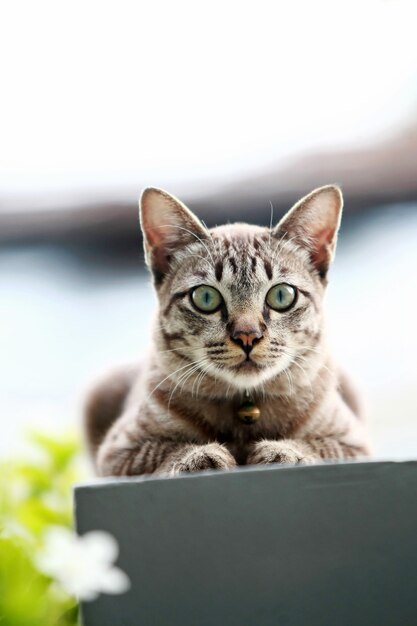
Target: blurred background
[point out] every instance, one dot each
(230, 106)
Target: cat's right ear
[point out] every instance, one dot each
(167, 225)
(313, 223)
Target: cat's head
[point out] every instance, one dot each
(241, 302)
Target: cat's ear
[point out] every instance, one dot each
(313, 222)
(167, 225)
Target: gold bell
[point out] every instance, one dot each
(248, 413)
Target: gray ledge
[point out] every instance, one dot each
(328, 545)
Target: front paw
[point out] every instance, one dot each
(208, 457)
(284, 452)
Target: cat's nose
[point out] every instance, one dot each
(246, 336)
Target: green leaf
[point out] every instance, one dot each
(33, 496)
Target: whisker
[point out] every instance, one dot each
(195, 371)
(281, 244)
(167, 377)
(278, 247)
(184, 349)
(184, 377)
(270, 222)
(316, 351)
(313, 349)
(199, 378)
(294, 362)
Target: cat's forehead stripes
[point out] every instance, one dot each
(251, 252)
(218, 269)
(241, 250)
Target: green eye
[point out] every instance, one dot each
(206, 299)
(281, 297)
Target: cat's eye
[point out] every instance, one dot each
(206, 299)
(281, 297)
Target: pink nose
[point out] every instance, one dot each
(246, 336)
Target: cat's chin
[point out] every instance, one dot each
(250, 375)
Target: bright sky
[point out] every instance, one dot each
(97, 93)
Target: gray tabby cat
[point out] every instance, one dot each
(239, 372)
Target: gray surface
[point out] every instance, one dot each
(330, 545)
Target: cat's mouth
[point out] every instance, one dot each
(248, 365)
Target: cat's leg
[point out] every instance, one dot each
(201, 457)
(162, 457)
(303, 452)
(124, 455)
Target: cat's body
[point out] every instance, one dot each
(240, 320)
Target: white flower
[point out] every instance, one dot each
(82, 565)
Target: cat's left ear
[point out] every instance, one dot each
(167, 225)
(313, 222)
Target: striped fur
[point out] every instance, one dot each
(179, 412)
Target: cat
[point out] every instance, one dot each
(239, 372)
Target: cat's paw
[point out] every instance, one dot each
(285, 452)
(208, 457)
